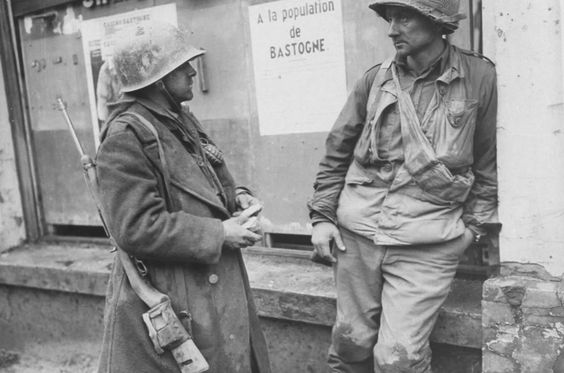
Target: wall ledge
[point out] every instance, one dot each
(284, 288)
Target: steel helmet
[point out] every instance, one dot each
(155, 51)
(443, 12)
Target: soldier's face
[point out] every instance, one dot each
(410, 31)
(179, 82)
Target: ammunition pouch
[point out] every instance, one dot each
(167, 333)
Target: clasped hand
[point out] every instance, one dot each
(241, 230)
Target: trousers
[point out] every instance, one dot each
(388, 300)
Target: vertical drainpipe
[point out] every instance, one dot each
(561, 4)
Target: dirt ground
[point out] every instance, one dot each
(75, 357)
(81, 358)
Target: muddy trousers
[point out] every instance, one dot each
(388, 300)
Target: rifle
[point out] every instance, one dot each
(165, 329)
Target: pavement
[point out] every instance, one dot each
(56, 357)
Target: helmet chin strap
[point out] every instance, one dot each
(162, 87)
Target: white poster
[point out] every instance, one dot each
(98, 41)
(299, 64)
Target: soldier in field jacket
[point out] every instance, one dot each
(407, 183)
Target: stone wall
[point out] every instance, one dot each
(523, 321)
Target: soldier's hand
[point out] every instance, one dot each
(245, 200)
(323, 234)
(236, 235)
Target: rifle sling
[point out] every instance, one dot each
(178, 272)
(420, 158)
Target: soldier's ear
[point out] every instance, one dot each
(441, 29)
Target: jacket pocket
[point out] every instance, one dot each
(196, 203)
(453, 135)
(461, 112)
(441, 187)
(356, 175)
(358, 186)
(360, 199)
(358, 180)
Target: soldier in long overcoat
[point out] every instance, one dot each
(169, 199)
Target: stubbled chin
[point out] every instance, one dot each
(402, 52)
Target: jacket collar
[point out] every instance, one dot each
(450, 66)
(440, 62)
(454, 68)
(176, 122)
(153, 107)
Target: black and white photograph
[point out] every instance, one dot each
(281, 186)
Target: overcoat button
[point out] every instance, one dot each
(213, 279)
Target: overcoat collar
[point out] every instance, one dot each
(185, 172)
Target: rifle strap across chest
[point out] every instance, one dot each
(178, 271)
(418, 150)
(421, 160)
(163, 163)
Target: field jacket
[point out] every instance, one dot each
(181, 230)
(460, 124)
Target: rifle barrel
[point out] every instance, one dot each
(71, 126)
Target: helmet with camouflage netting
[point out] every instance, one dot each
(156, 50)
(444, 12)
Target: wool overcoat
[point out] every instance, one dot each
(171, 228)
